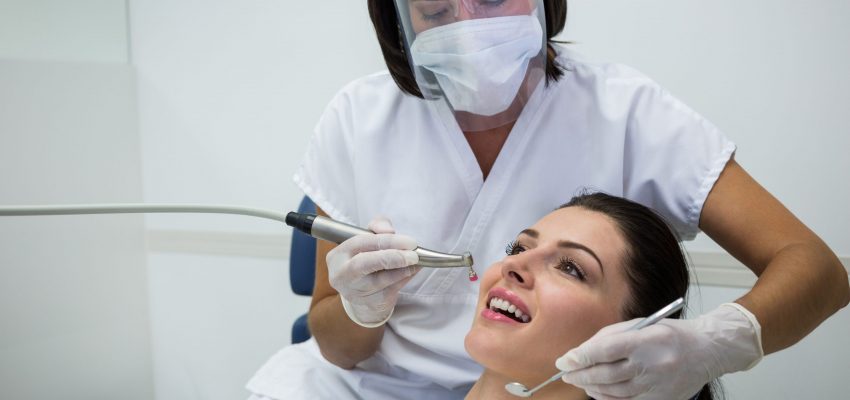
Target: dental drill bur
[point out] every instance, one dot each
(328, 229)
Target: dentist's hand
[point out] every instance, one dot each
(670, 360)
(368, 271)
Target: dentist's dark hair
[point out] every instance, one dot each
(654, 262)
(390, 38)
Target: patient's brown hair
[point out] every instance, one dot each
(654, 264)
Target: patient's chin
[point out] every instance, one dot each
(481, 348)
(495, 354)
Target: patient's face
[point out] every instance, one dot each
(565, 276)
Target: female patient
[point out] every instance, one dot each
(595, 261)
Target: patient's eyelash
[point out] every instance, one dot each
(569, 266)
(565, 264)
(513, 248)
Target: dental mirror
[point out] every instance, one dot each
(519, 390)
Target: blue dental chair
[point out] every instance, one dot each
(302, 269)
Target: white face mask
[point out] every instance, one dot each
(480, 63)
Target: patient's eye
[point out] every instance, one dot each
(570, 267)
(514, 248)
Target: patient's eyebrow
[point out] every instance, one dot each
(566, 244)
(530, 232)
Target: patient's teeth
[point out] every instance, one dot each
(505, 305)
(497, 303)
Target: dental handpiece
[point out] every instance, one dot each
(330, 230)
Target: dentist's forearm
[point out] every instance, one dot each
(801, 281)
(801, 287)
(341, 341)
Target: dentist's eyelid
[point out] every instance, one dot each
(433, 9)
(491, 3)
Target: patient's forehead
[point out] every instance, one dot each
(575, 221)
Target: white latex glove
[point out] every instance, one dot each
(368, 271)
(670, 360)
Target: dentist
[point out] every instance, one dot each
(481, 125)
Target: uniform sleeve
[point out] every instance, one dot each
(326, 173)
(672, 157)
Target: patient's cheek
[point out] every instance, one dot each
(575, 318)
(488, 280)
(493, 274)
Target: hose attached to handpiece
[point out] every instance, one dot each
(313, 225)
(135, 208)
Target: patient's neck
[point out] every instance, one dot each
(491, 385)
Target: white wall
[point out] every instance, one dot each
(73, 291)
(61, 30)
(229, 93)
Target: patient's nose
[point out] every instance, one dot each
(515, 270)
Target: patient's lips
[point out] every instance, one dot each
(505, 306)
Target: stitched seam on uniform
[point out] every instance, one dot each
(470, 180)
(499, 191)
(708, 181)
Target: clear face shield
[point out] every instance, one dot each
(484, 58)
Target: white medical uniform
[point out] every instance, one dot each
(376, 151)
